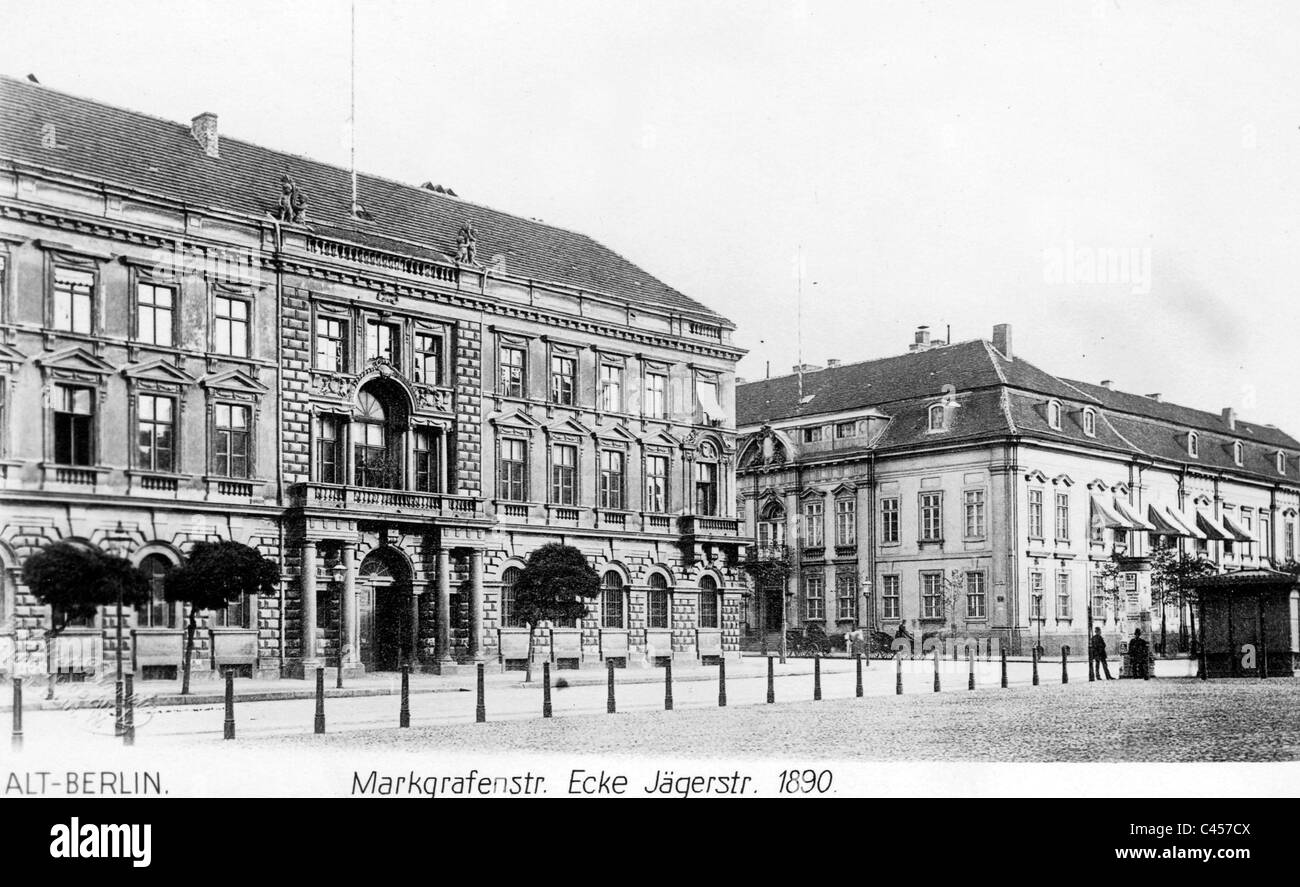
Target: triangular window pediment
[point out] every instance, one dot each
(233, 380)
(517, 419)
(158, 370)
(75, 360)
(568, 426)
(616, 432)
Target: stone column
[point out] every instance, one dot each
(352, 628)
(309, 649)
(476, 604)
(443, 639)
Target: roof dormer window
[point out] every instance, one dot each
(1090, 422)
(938, 417)
(1281, 462)
(1193, 445)
(1054, 414)
(1237, 452)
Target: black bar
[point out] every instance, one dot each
(320, 700)
(128, 728)
(546, 689)
(1065, 673)
(858, 666)
(817, 678)
(118, 725)
(970, 661)
(480, 711)
(1004, 668)
(1035, 651)
(18, 714)
(668, 684)
(404, 716)
(936, 671)
(722, 682)
(230, 704)
(898, 674)
(771, 683)
(610, 708)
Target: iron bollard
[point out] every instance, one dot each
(404, 716)
(668, 685)
(1065, 673)
(858, 658)
(230, 704)
(546, 689)
(970, 661)
(771, 683)
(722, 682)
(18, 714)
(320, 700)
(609, 695)
(480, 711)
(118, 725)
(936, 671)
(954, 652)
(128, 728)
(1035, 652)
(898, 674)
(1004, 668)
(817, 678)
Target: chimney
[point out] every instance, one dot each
(1106, 383)
(741, 380)
(1155, 396)
(204, 128)
(922, 341)
(1230, 418)
(832, 362)
(1002, 339)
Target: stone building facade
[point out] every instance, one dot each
(396, 398)
(958, 490)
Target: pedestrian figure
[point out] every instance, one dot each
(1097, 646)
(1139, 652)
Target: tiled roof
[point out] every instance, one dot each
(162, 157)
(997, 396)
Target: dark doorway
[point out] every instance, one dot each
(392, 628)
(384, 599)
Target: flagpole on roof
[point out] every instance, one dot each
(798, 319)
(352, 111)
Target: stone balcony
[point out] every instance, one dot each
(385, 502)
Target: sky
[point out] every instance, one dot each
(1118, 180)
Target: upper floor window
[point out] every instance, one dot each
(845, 429)
(74, 299)
(938, 417)
(513, 363)
(564, 373)
(155, 316)
(656, 395)
(931, 517)
(813, 434)
(1035, 514)
(1237, 452)
(889, 523)
(656, 484)
(1193, 445)
(708, 397)
(706, 481)
(74, 425)
(814, 520)
(512, 470)
(381, 342)
(428, 359)
(230, 440)
(611, 479)
(974, 505)
(564, 474)
(1054, 414)
(374, 462)
(1090, 423)
(611, 388)
(846, 522)
(331, 344)
(155, 433)
(1281, 462)
(1063, 516)
(230, 326)
(771, 526)
(427, 473)
(329, 450)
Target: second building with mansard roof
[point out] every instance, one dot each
(959, 488)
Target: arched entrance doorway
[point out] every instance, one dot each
(384, 604)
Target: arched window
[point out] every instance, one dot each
(1237, 452)
(771, 526)
(1090, 423)
(613, 614)
(659, 603)
(157, 612)
(938, 417)
(375, 447)
(1281, 462)
(708, 602)
(1054, 414)
(1193, 445)
(509, 577)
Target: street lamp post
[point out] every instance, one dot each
(117, 723)
(338, 573)
(1038, 615)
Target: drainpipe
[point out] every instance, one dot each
(279, 424)
(871, 546)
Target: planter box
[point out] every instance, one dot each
(514, 643)
(158, 646)
(613, 642)
(566, 643)
(233, 646)
(708, 642)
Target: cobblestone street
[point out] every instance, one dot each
(1175, 720)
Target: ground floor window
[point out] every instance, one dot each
(708, 603)
(814, 595)
(658, 603)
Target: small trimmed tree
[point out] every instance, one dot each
(214, 575)
(554, 585)
(1172, 571)
(75, 581)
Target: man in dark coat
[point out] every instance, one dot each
(1097, 647)
(1139, 653)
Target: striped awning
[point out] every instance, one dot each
(1242, 534)
(1104, 514)
(1163, 523)
(1187, 520)
(1135, 518)
(1212, 527)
